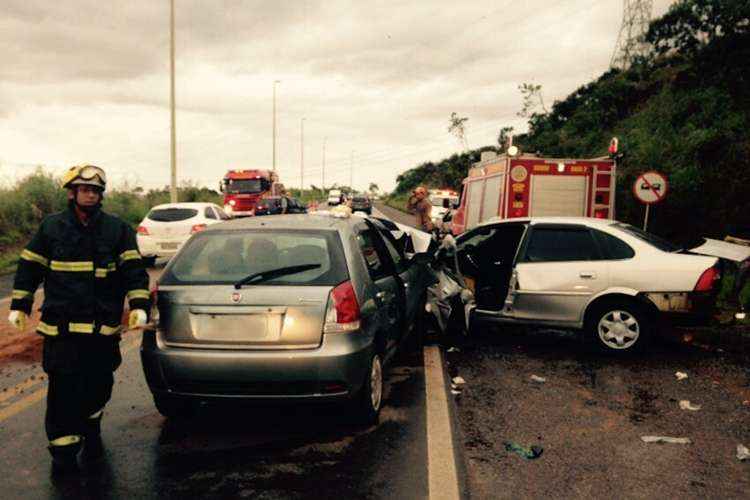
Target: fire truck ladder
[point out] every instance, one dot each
(602, 188)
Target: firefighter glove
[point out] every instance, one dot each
(17, 319)
(137, 318)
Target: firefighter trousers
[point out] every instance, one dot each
(74, 400)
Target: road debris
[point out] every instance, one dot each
(681, 375)
(454, 349)
(665, 439)
(458, 380)
(455, 392)
(530, 453)
(538, 379)
(687, 405)
(743, 453)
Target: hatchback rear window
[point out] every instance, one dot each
(171, 214)
(225, 257)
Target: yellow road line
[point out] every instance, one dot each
(38, 395)
(22, 386)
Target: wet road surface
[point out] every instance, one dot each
(589, 416)
(230, 451)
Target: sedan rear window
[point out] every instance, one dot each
(226, 257)
(171, 214)
(649, 238)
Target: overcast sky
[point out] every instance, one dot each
(88, 81)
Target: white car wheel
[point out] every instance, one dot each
(619, 329)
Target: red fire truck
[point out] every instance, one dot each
(243, 188)
(532, 186)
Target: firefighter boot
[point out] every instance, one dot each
(93, 448)
(64, 456)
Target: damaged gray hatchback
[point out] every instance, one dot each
(293, 308)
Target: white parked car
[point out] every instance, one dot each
(335, 197)
(612, 280)
(167, 227)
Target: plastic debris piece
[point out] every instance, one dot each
(743, 453)
(681, 375)
(458, 380)
(536, 378)
(455, 392)
(665, 439)
(687, 405)
(530, 453)
(454, 349)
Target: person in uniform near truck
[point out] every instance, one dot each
(89, 263)
(421, 207)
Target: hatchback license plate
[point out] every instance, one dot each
(169, 246)
(237, 327)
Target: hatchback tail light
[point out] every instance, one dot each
(707, 280)
(197, 228)
(143, 230)
(342, 314)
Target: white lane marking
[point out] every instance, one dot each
(442, 475)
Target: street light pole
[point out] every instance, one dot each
(301, 156)
(323, 186)
(274, 123)
(173, 133)
(351, 171)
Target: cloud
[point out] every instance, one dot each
(84, 78)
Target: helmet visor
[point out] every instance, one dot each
(90, 172)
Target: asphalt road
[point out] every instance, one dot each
(590, 414)
(273, 452)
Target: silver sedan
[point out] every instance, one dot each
(607, 278)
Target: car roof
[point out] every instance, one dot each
(586, 221)
(185, 204)
(288, 221)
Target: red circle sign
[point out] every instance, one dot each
(650, 187)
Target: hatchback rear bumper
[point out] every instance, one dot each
(335, 370)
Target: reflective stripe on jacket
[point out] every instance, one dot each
(87, 273)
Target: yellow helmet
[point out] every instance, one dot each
(85, 174)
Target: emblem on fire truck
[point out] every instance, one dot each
(519, 173)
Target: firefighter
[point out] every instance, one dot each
(89, 263)
(420, 206)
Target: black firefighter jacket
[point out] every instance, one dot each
(87, 273)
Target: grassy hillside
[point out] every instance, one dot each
(683, 110)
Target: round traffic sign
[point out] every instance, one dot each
(650, 187)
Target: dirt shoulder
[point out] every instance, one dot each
(590, 414)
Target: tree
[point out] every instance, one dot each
(532, 98)
(692, 24)
(457, 127)
(373, 188)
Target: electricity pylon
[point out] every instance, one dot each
(631, 43)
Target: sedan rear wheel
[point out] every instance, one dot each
(618, 327)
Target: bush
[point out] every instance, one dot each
(28, 201)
